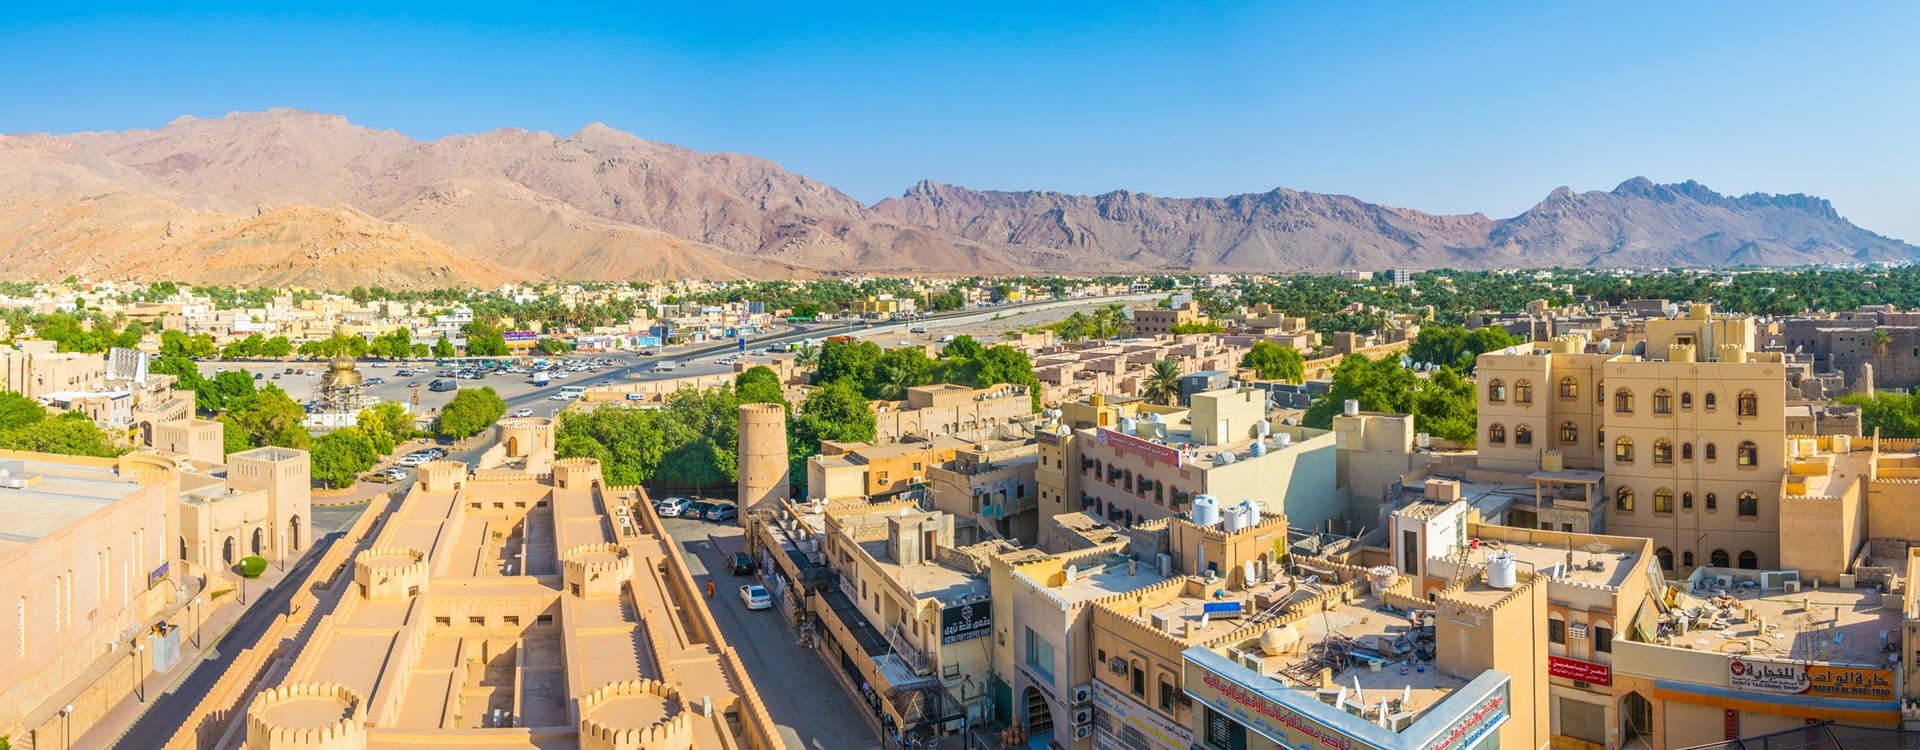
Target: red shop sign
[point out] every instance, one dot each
(1584, 671)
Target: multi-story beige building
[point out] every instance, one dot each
(261, 504)
(83, 564)
(850, 471)
(948, 410)
(520, 609)
(912, 613)
(1693, 448)
(1160, 321)
(991, 483)
(1136, 469)
(36, 368)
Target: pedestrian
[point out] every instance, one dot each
(709, 590)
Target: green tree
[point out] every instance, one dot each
(339, 456)
(443, 348)
(70, 433)
(1198, 326)
(1379, 385)
(1444, 406)
(759, 385)
(548, 345)
(853, 361)
(961, 347)
(201, 346)
(17, 411)
(268, 417)
(485, 340)
(629, 443)
(224, 390)
(1272, 361)
(470, 411)
(1163, 383)
(1458, 347)
(277, 347)
(1892, 414)
(835, 411)
(900, 369)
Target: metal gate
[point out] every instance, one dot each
(1584, 721)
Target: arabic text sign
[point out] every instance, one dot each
(1151, 451)
(1575, 669)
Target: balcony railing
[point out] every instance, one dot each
(912, 655)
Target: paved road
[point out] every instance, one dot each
(168, 710)
(812, 710)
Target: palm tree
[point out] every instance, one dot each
(1881, 338)
(1163, 384)
(806, 356)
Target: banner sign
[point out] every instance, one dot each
(1150, 451)
(1584, 671)
(966, 621)
(1827, 681)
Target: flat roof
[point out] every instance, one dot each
(1828, 626)
(1109, 579)
(56, 495)
(1357, 635)
(929, 579)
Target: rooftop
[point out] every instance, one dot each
(51, 496)
(1827, 626)
(1367, 648)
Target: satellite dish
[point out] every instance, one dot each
(1511, 351)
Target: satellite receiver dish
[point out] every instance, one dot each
(1606, 345)
(1511, 351)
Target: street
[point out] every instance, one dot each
(811, 708)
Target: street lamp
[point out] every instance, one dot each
(139, 650)
(197, 622)
(282, 550)
(66, 726)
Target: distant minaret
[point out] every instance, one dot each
(1866, 379)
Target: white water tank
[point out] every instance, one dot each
(1262, 428)
(1127, 425)
(1231, 518)
(1251, 511)
(1206, 510)
(1283, 440)
(1842, 444)
(1422, 440)
(1502, 571)
(1352, 407)
(1223, 458)
(1258, 449)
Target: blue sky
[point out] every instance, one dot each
(1444, 107)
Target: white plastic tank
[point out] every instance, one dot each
(1250, 511)
(1206, 510)
(1258, 449)
(1381, 577)
(1224, 457)
(1262, 428)
(1230, 518)
(1128, 425)
(1351, 408)
(1279, 640)
(1842, 444)
(1283, 440)
(1502, 572)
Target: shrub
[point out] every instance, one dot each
(252, 566)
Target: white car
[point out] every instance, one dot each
(672, 507)
(561, 374)
(559, 397)
(412, 459)
(755, 596)
(523, 412)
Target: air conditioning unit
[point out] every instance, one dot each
(1082, 716)
(1082, 732)
(1082, 694)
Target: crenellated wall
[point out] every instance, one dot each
(597, 571)
(615, 717)
(390, 573)
(306, 716)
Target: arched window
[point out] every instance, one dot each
(1748, 560)
(1686, 558)
(1713, 454)
(1748, 404)
(1623, 450)
(1663, 500)
(1623, 401)
(1711, 402)
(1665, 556)
(1713, 501)
(1569, 433)
(1523, 391)
(1623, 498)
(1749, 504)
(1496, 390)
(1662, 401)
(1497, 434)
(1522, 435)
(226, 551)
(1686, 400)
(1686, 451)
(1663, 451)
(1686, 501)
(1749, 453)
(1718, 558)
(1569, 388)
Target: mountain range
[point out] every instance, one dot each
(286, 197)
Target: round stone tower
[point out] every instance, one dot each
(306, 716)
(763, 457)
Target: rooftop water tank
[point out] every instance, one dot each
(1262, 428)
(1223, 458)
(1283, 440)
(1127, 425)
(1502, 572)
(1206, 510)
(1251, 509)
(1351, 408)
(1258, 449)
(1233, 518)
(1279, 640)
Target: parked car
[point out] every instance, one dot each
(411, 459)
(523, 412)
(697, 509)
(740, 564)
(755, 596)
(672, 507)
(387, 475)
(722, 512)
(434, 453)
(413, 384)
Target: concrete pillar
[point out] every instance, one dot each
(1866, 379)
(763, 457)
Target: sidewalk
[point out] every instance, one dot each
(218, 619)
